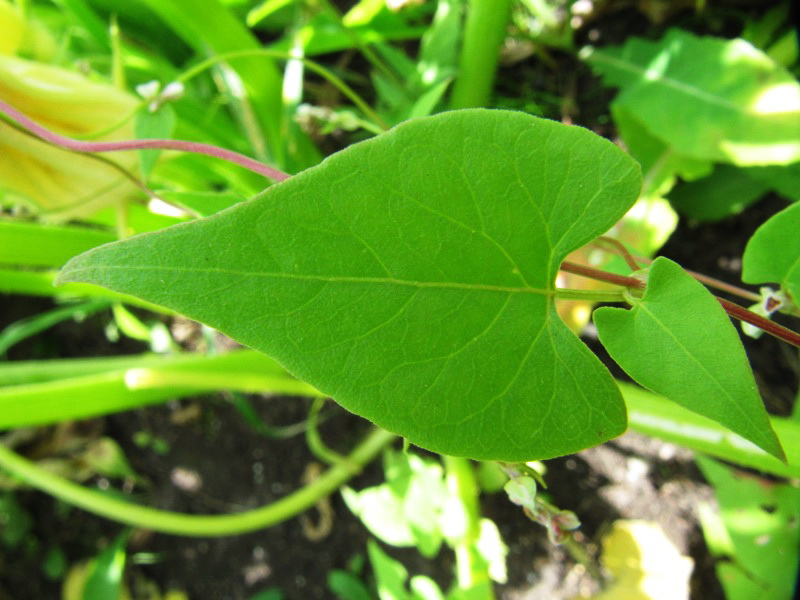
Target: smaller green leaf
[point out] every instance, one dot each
(654, 415)
(104, 573)
(773, 253)
(677, 341)
(390, 574)
(784, 179)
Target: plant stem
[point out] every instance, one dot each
(471, 569)
(770, 327)
(719, 285)
(590, 295)
(81, 146)
(484, 32)
(313, 439)
(725, 287)
(175, 523)
(733, 309)
(599, 275)
(621, 250)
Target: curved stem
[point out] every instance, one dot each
(197, 525)
(109, 163)
(314, 440)
(196, 147)
(620, 249)
(725, 287)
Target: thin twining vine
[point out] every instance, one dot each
(627, 283)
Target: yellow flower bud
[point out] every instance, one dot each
(55, 183)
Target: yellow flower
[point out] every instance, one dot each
(55, 183)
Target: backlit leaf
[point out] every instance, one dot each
(411, 278)
(773, 253)
(707, 98)
(678, 342)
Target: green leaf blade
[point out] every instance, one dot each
(678, 342)
(411, 277)
(773, 253)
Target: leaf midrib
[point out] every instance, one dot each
(75, 272)
(698, 363)
(676, 84)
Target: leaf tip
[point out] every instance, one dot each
(69, 273)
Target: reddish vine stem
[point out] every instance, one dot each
(733, 309)
(621, 250)
(720, 285)
(183, 146)
(102, 159)
(725, 287)
(770, 327)
(593, 273)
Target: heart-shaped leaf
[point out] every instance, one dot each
(411, 277)
(678, 342)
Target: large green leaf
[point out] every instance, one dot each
(678, 342)
(707, 98)
(773, 253)
(411, 277)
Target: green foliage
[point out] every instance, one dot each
(663, 342)
(420, 505)
(773, 253)
(104, 572)
(407, 510)
(421, 297)
(391, 577)
(755, 536)
(34, 393)
(15, 520)
(707, 98)
(656, 416)
(727, 190)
